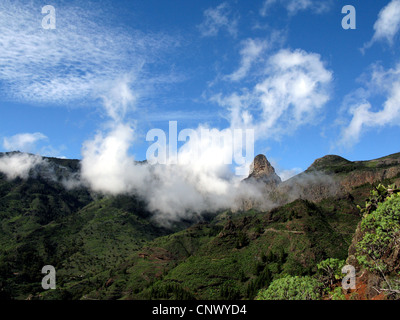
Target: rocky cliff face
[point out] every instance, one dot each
(261, 170)
(261, 174)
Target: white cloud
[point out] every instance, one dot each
(71, 62)
(294, 87)
(294, 6)
(251, 50)
(199, 181)
(25, 142)
(266, 6)
(118, 98)
(284, 174)
(18, 164)
(32, 143)
(106, 163)
(363, 115)
(194, 185)
(215, 19)
(387, 24)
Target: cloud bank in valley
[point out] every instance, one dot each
(196, 182)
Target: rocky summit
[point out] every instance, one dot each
(262, 170)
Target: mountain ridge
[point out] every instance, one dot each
(261, 169)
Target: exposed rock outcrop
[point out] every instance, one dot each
(261, 170)
(262, 175)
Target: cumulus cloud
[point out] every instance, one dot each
(25, 142)
(293, 89)
(19, 165)
(387, 24)
(294, 6)
(71, 62)
(381, 82)
(218, 18)
(290, 91)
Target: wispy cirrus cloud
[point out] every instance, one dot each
(294, 6)
(71, 62)
(218, 18)
(252, 51)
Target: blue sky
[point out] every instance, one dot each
(286, 68)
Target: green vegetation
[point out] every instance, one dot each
(331, 269)
(292, 288)
(333, 164)
(381, 231)
(378, 195)
(376, 251)
(111, 247)
(337, 294)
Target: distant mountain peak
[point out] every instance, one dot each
(262, 170)
(328, 161)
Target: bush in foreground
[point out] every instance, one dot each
(292, 288)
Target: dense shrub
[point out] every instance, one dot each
(381, 236)
(331, 269)
(292, 288)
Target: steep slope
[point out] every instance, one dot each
(78, 232)
(233, 258)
